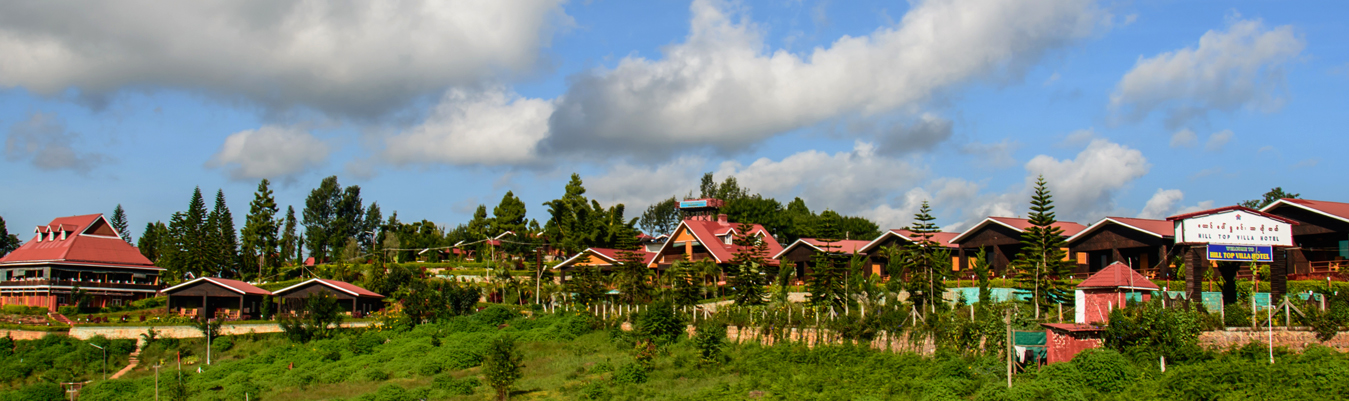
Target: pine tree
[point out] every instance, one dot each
(371, 229)
(570, 226)
(120, 224)
(226, 240)
(748, 266)
(8, 242)
(260, 232)
(151, 240)
(927, 259)
(319, 212)
(290, 240)
(186, 250)
(509, 215)
(1042, 256)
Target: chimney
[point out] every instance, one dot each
(721, 218)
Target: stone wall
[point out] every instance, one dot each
(812, 337)
(1293, 338)
(27, 334)
(134, 332)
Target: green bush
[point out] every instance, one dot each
(68, 310)
(1237, 315)
(632, 373)
(25, 310)
(660, 323)
(375, 374)
(1103, 370)
(453, 386)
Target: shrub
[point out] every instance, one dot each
(633, 373)
(495, 315)
(222, 344)
(375, 374)
(501, 365)
(660, 323)
(453, 386)
(1237, 315)
(709, 339)
(68, 310)
(1103, 370)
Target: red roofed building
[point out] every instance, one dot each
(213, 297)
(603, 258)
(1322, 236)
(1000, 237)
(875, 250)
(703, 238)
(1112, 287)
(77, 251)
(801, 253)
(1140, 243)
(350, 297)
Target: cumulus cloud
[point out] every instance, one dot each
(43, 141)
(1218, 140)
(271, 152)
(1084, 187)
(474, 128)
(1240, 67)
(995, 155)
(362, 58)
(924, 134)
(721, 89)
(1185, 138)
(1162, 204)
(947, 197)
(848, 182)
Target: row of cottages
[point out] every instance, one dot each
(77, 252)
(698, 238)
(236, 300)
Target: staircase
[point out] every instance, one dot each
(133, 362)
(60, 318)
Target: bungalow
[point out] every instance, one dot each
(1141, 243)
(213, 297)
(350, 297)
(875, 250)
(603, 258)
(701, 238)
(1000, 237)
(800, 254)
(83, 252)
(1322, 238)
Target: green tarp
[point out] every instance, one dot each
(1024, 338)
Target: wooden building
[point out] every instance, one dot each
(216, 298)
(1000, 238)
(603, 258)
(83, 252)
(875, 249)
(1322, 236)
(350, 297)
(702, 237)
(1143, 244)
(1111, 288)
(800, 254)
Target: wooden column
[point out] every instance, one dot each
(999, 263)
(1195, 264)
(1278, 274)
(1163, 264)
(964, 261)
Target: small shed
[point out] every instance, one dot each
(349, 296)
(1112, 287)
(211, 296)
(1064, 340)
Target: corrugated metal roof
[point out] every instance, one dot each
(1118, 275)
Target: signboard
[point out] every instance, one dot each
(1241, 253)
(1234, 227)
(692, 203)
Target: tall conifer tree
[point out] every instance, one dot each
(8, 242)
(290, 240)
(927, 258)
(120, 224)
(260, 232)
(1042, 257)
(226, 239)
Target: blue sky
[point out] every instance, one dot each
(1129, 108)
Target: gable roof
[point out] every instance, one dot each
(1019, 225)
(1335, 210)
(841, 246)
(233, 285)
(1229, 209)
(943, 238)
(706, 231)
(343, 286)
(85, 239)
(608, 254)
(1118, 275)
(1153, 227)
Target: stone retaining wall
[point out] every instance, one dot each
(812, 337)
(134, 332)
(1293, 338)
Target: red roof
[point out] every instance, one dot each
(1020, 225)
(1231, 208)
(334, 284)
(88, 239)
(1335, 210)
(1072, 327)
(1159, 228)
(707, 232)
(841, 246)
(233, 285)
(608, 254)
(942, 238)
(1118, 275)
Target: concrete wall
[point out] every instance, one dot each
(1294, 338)
(134, 332)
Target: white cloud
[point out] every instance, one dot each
(270, 152)
(361, 58)
(482, 128)
(927, 132)
(1185, 138)
(637, 187)
(1084, 187)
(43, 141)
(1241, 67)
(994, 155)
(1162, 204)
(721, 89)
(1203, 205)
(1080, 138)
(1218, 140)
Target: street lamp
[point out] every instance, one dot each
(105, 360)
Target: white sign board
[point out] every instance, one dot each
(1235, 227)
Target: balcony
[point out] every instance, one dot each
(88, 285)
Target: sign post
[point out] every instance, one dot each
(1235, 234)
